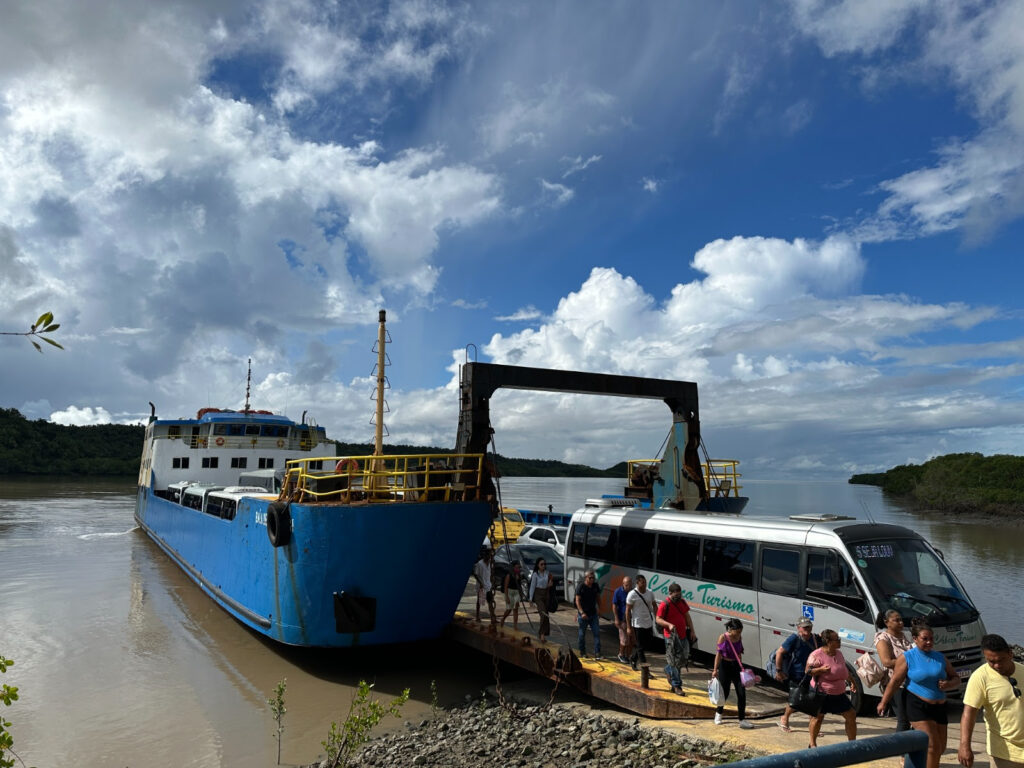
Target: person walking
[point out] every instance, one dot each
(640, 619)
(797, 647)
(994, 688)
(587, 596)
(677, 627)
(619, 614)
(483, 572)
(727, 668)
(542, 583)
(831, 676)
(513, 594)
(891, 642)
(930, 675)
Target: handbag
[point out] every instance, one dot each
(715, 692)
(747, 676)
(552, 597)
(868, 670)
(804, 698)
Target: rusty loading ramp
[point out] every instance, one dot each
(608, 680)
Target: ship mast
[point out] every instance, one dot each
(378, 440)
(248, 386)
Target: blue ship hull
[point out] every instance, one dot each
(358, 574)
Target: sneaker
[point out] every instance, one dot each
(718, 718)
(746, 724)
(623, 659)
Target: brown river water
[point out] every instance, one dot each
(122, 660)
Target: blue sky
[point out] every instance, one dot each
(810, 208)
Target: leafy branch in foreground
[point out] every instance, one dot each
(43, 325)
(363, 714)
(277, 709)
(8, 695)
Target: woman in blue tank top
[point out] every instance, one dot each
(929, 675)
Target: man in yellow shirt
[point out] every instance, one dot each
(994, 688)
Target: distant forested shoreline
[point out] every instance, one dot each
(959, 483)
(39, 447)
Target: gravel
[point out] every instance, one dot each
(484, 734)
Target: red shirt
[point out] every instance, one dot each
(674, 613)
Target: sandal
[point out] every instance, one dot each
(784, 727)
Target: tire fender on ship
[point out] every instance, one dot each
(279, 523)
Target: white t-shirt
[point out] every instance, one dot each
(482, 571)
(641, 617)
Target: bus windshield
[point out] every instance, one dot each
(906, 575)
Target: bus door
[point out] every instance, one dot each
(778, 600)
(833, 600)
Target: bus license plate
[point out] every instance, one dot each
(965, 672)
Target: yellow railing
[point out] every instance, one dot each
(382, 479)
(721, 475)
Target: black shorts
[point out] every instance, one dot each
(918, 709)
(835, 704)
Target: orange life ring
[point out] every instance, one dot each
(280, 443)
(219, 441)
(346, 465)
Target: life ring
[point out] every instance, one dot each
(219, 441)
(280, 443)
(279, 524)
(349, 466)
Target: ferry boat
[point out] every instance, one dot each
(305, 547)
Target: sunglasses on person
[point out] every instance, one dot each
(1013, 684)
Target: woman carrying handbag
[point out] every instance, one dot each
(728, 670)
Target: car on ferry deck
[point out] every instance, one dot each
(551, 535)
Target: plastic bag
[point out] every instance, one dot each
(868, 670)
(715, 692)
(748, 678)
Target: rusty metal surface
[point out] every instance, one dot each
(606, 680)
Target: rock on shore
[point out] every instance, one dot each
(484, 734)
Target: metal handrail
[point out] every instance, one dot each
(912, 744)
(381, 479)
(722, 475)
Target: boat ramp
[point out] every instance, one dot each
(645, 691)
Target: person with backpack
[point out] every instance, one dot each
(728, 666)
(677, 626)
(640, 619)
(512, 587)
(796, 648)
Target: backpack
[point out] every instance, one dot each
(770, 667)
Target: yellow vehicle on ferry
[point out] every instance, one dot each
(506, 529)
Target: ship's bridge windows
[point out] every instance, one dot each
(273, 430)
(252, 429)
(316, 465)
(179, 462)
(266, 463)
(239, 462)
(210, 462)
(220, 429)
(174, 431)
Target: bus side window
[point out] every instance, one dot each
(780, 571)
(830, 578)
(579, 535)
(636, 548)
(678, 554)
(601, 543)
(727, 561)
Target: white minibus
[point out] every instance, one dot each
(768, 572)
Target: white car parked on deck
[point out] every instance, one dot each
(552, 535)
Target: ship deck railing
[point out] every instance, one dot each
(722, 476)
(384, 479)
(243, 442)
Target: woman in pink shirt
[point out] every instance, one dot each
(831, 676)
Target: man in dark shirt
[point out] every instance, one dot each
(587, 595)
